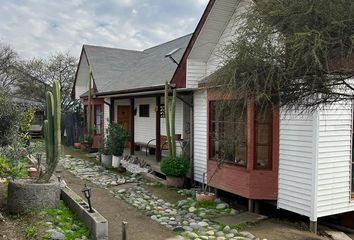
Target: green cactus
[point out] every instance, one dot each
(89, 109)
(167, 120)
(170, 127)
(52, 131)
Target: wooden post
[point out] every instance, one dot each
(124, 230)
(158, 129)
(132, 144)
(111, 111)
(250, 205)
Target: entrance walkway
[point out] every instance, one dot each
(115, 211)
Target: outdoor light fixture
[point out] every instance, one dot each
(59, 173)
(87, 193)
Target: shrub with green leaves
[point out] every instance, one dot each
(175, 166)
(9, 120)
(25, 121)
(116, 139)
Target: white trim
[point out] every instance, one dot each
(313, 216)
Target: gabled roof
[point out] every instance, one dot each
(117, 70)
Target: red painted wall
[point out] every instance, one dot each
(247, 181)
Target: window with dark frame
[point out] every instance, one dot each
(144, 110)
(263, 138)
(98, 119)
(227, 132)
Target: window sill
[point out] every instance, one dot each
(230, 163)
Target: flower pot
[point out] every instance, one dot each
(175, 181)
(106, 160)
(205, 196)
(32, 172)
(26, 194)
(77, 145)
(116, 161)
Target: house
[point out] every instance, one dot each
(128, 89)
(303, 162)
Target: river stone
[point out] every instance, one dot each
(192, 209)
(221, 206)
(203, 224)
(227, 229)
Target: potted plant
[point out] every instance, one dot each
(175, 168)
(106, 156)
(115, 142)
(43, 192)
(205, 195)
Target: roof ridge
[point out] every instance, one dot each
(121, 49)
(167, 42)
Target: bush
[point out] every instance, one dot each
(175, 166)
(116, 139)
(9, 120)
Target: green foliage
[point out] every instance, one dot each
(65, 219)
(9, 117)
(6, 170)
(206, 204)
(31, 232)
(52, 131)
(116, 139)
(175, 166)
(25, 121)
(298, 52)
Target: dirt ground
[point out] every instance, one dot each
(115, 211)
(273, 229)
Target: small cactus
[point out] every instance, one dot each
(52, 132)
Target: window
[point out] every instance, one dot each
(263, 138)
(144, 110)
(98, 119)
(228, 124)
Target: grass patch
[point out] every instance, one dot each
(63, 218)
(31, 232)
(206, 204)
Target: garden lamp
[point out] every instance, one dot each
(87, 193)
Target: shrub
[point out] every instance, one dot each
(6, 169)
(175, 166)
(24, 125)
(116, 139)
(9, 120)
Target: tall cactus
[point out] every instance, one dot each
(52, 131)
(89, 108)
(170, 127)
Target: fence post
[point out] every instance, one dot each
(124, 230)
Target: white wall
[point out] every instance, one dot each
(296, 162)
(196, 70)
(334, 160)
(200, 134)
(106, 114)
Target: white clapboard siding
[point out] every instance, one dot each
(200, 134)
(230, 33)
(296, 162)
(334, 160)
(106, 114)
(195, 72)
(145, 127)
(81, 85)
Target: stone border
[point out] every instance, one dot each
(95, 222)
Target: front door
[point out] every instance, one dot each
(124, 119)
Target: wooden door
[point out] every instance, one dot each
(124, 119)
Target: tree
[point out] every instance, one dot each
(37, 75)
(295, 53)
(8, 64)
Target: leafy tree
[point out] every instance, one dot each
(8, 64)
(296, 53)
(9, 118)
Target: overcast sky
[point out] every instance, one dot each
(41, 27)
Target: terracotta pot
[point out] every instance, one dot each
(77, 145)
(32, 172)
(207, 196)
(175, 181)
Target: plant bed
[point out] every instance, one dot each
(27, 194)
(95, 222)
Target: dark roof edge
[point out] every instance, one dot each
(133, 90)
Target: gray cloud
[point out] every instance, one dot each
(39, 27)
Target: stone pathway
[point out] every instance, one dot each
(185, 218)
